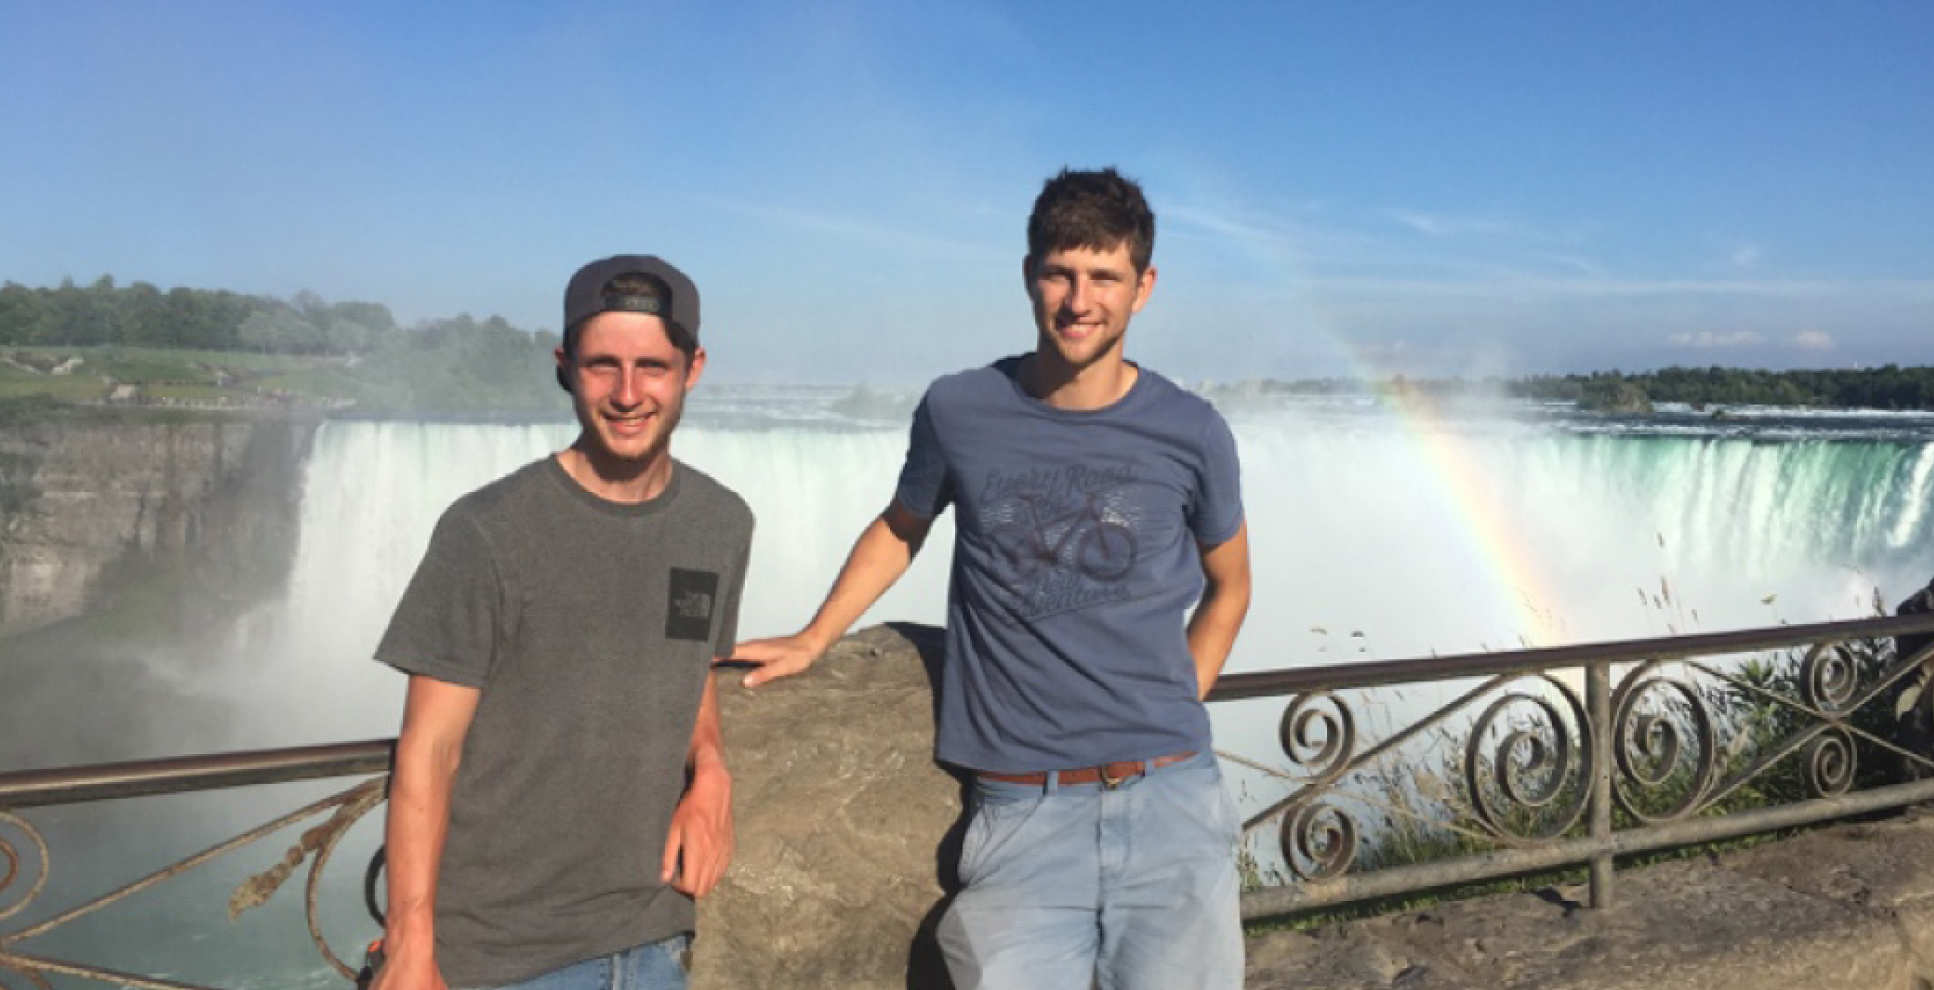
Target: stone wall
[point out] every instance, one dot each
(90, 503)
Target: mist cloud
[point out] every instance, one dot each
(1712, 340)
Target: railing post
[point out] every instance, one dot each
(1598, 701)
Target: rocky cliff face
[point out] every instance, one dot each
(93, 504)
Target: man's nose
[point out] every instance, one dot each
(631, 387)
(1080, 294)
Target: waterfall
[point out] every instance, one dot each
(1362, 548)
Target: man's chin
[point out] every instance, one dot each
(629, 452)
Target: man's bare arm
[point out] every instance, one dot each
(699, 846)
(436, 717)
(878, 558)
(1225, 601)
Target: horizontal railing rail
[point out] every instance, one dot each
(1630, 767)
(174, 775)
(1381, 673)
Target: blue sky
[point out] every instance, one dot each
(1426, 188)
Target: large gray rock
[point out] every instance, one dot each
(842, 815)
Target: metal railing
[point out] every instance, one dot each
(195, 773)
(1519, 774)
(1532, 774)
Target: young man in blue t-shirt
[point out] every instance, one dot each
(1096, 502)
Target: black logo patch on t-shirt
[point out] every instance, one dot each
(688, 604)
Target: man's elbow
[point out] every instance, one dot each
(905, 526)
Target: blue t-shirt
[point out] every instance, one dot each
(1077, 554)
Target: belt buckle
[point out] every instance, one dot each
(1108, 781)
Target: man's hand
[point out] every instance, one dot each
(700, 843)
(780, 656)
(408, 966)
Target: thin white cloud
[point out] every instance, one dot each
(1713, 340)
(1813, 340)
(1443, 225)
(1454, 225)
(1746, 256)
(1226, 226)
(853, 227)
(1583, 266)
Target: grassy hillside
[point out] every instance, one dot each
(416, 375)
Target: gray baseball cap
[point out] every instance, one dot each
(585, 297)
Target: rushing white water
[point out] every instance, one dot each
(1368, 536)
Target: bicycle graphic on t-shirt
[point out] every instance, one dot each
(1103, 549)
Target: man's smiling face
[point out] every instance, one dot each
(1083, 299)
(628, 383)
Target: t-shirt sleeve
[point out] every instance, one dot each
(924, 489)
(1215, 513)
(728, 636)
(445, 625)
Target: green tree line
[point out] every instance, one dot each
(1887, 387)
(142, 315)
(351, 351)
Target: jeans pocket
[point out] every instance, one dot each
(996, 817)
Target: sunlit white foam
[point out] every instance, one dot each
(1358, 552)
(1918, 492)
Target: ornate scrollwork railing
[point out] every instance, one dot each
(1572, 755)
(25, 860)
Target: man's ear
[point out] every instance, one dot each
(563, 361)
(1145, 287)
(694, 367)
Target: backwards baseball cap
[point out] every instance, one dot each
(585, 297)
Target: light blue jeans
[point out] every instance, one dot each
(652, 966)
(1133, 888)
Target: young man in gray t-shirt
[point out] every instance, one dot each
(559, 794)
(1096, 503)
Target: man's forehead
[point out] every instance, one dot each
(1114, 255)
(620, 329)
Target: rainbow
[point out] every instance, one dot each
(1515, 573)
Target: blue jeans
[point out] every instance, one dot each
(1132, 888)
(652, 966)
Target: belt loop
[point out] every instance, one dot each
(1053, 782)
(1148, 768)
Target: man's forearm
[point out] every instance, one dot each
(419, 819)
(707, 751)
(435, 721)
(1212, 632)
(878, 558)
(1225, 602)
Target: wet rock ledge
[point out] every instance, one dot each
(844, 820)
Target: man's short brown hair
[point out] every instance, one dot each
(1092, 209)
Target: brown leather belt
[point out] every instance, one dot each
(1109, 775)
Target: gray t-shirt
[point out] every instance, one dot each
(1077, 553)
(589, 626)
